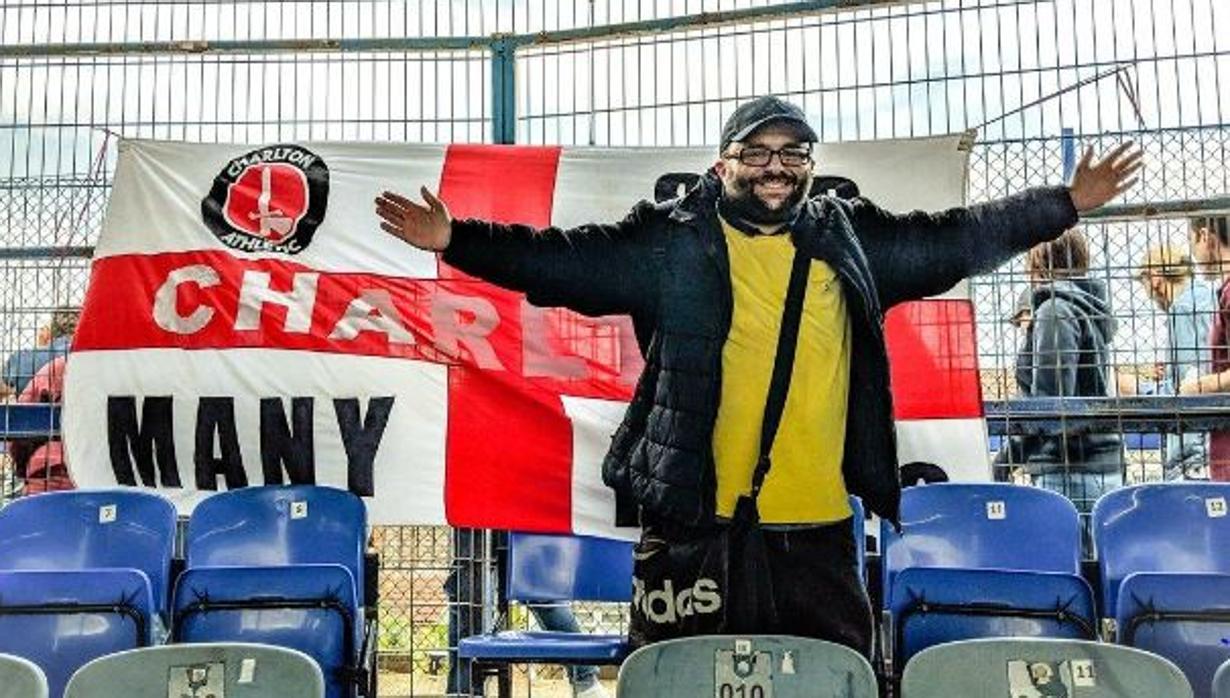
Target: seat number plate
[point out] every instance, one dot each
(1216, 507)
(743, 675)
(997, 510)
(197, 681)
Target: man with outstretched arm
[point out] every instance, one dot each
(704, 278)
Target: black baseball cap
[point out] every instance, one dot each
(760, 111)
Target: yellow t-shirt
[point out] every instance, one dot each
(805, 484)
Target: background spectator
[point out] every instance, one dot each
(1190, 303)
(40, 461)
(1067, 354)
(37, 375)
(54, 340)
(1210, 237)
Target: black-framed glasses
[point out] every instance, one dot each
(758, 156)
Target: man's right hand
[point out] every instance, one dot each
(427, 227)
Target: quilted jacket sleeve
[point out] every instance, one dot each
(920, 254)
(593, 269)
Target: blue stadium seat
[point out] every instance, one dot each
(85, 529)
(546, 568)
(83, 574)
(955, 525)
(1024, 668)
(707, 666)
(308, 608)
(1184, 617)
(283, 566)
(284, 525)
(21, 678)
(1165, 565)
(1164, 527)
(1221, 681)
(982, 560)
(62, 620)
(931, 606)
(234, 670)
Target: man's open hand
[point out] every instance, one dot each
(426, 227)
(1094, 185)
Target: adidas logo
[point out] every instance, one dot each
(665, 606)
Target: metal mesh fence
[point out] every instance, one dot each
(1039, 79)
(59, 118)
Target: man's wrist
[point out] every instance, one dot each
(1077, 204)
(450, 240)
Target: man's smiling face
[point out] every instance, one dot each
(770, 192)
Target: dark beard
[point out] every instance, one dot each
(746, 206)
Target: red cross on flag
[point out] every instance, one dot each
(248, 323)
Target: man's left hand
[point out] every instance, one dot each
(1094, 185)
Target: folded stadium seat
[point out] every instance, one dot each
(21, 678)
(746, 666)
(1221, 681)
(545, 569)
(981, 560)
(82, 574)
(1041, 668)
(233, 670)
(1164, 555)
(283, 566)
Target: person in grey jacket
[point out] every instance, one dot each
(685, 271)
(1067, 354)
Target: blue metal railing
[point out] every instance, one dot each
(1135, 415)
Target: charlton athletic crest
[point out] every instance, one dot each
(268, 200)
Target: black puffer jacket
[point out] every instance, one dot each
(666, 266)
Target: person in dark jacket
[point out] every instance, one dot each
(1067, 354)
(703, 278)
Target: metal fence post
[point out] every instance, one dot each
(1067, 144)
(504, 89)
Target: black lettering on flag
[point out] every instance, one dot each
(283, 444)
(146, 441)
(216, 416)
(361, 438)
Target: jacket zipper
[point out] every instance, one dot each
(721, 261)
